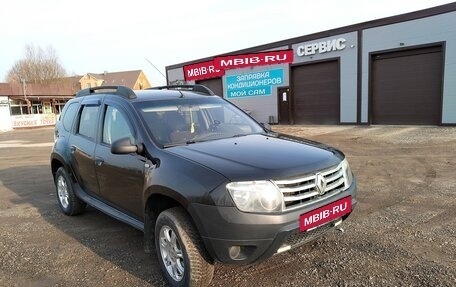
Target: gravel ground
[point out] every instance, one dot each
(402, 233)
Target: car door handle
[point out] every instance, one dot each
(72, 149)
(99, 161)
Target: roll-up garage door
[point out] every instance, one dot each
(407, 87)
(214, 84)
(316, 93)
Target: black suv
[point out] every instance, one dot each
(199, 176)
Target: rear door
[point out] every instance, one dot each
(82, 145)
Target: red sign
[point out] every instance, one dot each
(203, 70)
(325, 214)
(255, 59)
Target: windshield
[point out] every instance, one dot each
(189, 120)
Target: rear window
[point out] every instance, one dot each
(69, 115)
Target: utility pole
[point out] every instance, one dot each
(23, 88)
(25, 96)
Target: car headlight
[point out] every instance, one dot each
(348, 175)
(256, 196)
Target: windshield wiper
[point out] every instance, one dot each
(172, 145)
(179, 144)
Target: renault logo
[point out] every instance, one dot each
(320, 183)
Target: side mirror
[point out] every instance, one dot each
(267, 126)
(123, 146)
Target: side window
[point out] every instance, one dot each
(88, 121)
(116, 126)
(69, 116)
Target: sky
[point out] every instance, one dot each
(96, 36)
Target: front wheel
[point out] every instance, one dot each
(180, 250)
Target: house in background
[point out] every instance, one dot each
(135, 80)
(30, 105)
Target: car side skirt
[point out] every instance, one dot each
(107, 209)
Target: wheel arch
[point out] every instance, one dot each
(57, 162)
(157, 202)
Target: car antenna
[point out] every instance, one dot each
(180, 92)
(156, 68)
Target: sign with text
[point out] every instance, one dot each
(201, 71)
(33, 120)
(321, 47)
(325, 214)
(254, 59)
(253, 84)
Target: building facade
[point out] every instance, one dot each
(33, 105)
(396, 70)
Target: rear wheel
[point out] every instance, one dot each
(68, 201)
(180, 250)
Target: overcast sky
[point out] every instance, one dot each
(96, 36)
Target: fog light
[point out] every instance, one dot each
(234, 251)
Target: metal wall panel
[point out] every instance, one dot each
(214, 84)
(348, 71)
(434, 29)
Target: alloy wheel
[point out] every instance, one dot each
(62, 191)
(171, 253)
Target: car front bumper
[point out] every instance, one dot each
(236, 237)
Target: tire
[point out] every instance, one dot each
(68, 201)
(180, 250)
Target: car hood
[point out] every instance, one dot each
(260, 156)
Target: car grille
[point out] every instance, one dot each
(299, 238)
(298, 192)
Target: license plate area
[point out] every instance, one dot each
(325, 214)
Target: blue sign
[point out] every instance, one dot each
(253, 84)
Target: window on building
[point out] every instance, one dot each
(36, 107)
(17, 107)
(58, 106)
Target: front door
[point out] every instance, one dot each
(283, 94)
(121, 176)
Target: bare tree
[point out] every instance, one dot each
(37, 66)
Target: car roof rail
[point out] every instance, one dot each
(122, 91)
(194, 88)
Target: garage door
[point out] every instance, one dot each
(407, 87)
(316, 93)
(214, 84)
